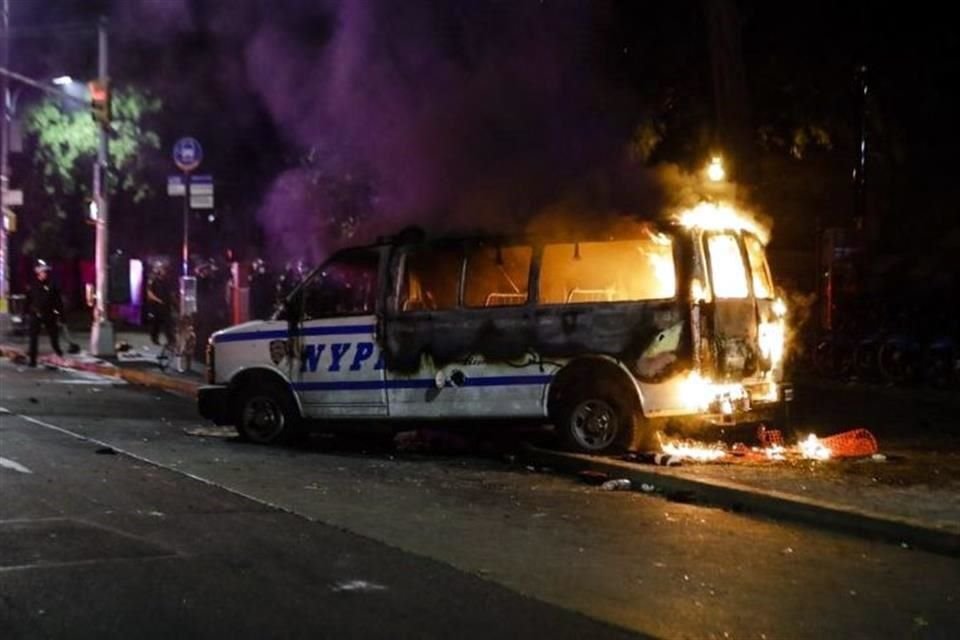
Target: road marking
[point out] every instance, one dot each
(85, 563)
(160, 465)
(7, 463)
(357, 585)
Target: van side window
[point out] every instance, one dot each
(615, 271)
(497, 276)
(431, 279)
(345, 286)
(762, 282)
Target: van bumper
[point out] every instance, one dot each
(775, 410)
(213, 403)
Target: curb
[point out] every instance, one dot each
(741, 498)
(131, 375)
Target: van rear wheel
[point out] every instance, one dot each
(267, 415)
(596, 422)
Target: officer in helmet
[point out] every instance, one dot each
(44, 310)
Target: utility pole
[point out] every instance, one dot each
(4, 165)
(101, 333)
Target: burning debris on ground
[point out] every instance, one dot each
(770, 447)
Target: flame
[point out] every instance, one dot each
(693, 451)
(813, 449)
(775, 452)
(810, 448)
(721, 217)
(696, 392)
(780, 308)
(771, 337)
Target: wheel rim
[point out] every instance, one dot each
(263, 419)
(594, 424)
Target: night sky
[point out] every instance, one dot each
(330, 122)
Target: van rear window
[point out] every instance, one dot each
(615, 271)
(726, 265)
(762, 283)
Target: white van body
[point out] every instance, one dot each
(513, 329)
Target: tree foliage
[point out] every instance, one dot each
(67, 139)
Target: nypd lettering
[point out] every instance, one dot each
(340, 356)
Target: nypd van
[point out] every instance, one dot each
(605, 335)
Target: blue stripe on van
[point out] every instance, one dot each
(417, 383)
(282, 334)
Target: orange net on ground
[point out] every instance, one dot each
(851, 444)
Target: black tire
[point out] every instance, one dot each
(598, 421)
(267, 414)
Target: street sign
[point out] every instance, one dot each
(200, 201)
(13, 198)
(201, 190)
(187, 154)
(199, 185)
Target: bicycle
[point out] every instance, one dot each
(186, 342)
(181, 349)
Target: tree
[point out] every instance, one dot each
(65, 145)
(67, 141)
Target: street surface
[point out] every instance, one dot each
(123, 515)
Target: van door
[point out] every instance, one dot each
(424, 331)
(341, 370)
(734, 316)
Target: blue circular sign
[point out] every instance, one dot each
(187, 154)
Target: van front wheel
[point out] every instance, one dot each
(596, 423)
(267, 416)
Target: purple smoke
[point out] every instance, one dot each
(459, 114)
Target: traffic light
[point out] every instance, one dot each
(100, 101)
(9, 221)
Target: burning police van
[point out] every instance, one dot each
(605, 334)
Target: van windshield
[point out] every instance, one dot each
(616, 271)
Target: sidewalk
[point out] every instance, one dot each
(138, 365)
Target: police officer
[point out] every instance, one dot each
(261, 290)
(44, 310)
(160, 304)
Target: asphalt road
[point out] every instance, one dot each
(187, 532)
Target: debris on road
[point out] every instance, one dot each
(618, 484)
(109, 451)
(662, 459)
(856, 443)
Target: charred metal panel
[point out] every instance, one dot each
(735, 337)
(651, 337)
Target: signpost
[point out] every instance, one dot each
(187, 155)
